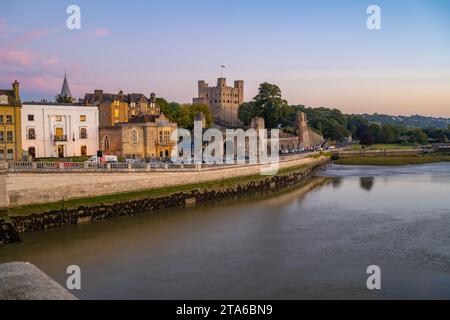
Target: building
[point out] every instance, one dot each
(10, 124)
(51, 130)
(112, 108)
(118, 108)
(223, 101)
(143, 137)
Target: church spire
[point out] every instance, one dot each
(65, 90)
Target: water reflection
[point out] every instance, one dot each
(336, 182)
(314, 242)
(366, 183)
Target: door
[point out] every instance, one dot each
(60, 151)
(32, 153)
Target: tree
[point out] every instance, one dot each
(171, 110)
(366, 136)
(418, 136)
(267, 104)
(63, 99)
(188, 113)
(375, 130)
(388, 134)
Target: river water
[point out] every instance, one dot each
(314, 244)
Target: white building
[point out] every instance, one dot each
(59, 130)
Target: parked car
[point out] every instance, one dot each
(133, 161)
(104, 159)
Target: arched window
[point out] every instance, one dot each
(31, 134)
(106, 143)
(133, 136)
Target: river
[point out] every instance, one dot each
(314, 244)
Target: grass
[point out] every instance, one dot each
(121, 197)
(397, 160)
(358, 147)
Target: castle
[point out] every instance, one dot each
(223, 101)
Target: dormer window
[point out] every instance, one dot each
(3, 99)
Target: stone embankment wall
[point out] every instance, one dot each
(59, 218)
(35, 188)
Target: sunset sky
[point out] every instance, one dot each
(320, 53)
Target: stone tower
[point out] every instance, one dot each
(257, 123)
(223, 101)
(201, 117)
(302, 128)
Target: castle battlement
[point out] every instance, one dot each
(222, 100)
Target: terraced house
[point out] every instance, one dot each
(10, 124)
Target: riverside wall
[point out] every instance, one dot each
(37, 188)
(59, 218)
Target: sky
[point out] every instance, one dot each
(320, 53)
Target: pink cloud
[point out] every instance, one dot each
(15, 56)
(97, 33)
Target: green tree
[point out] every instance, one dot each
(388, 134)
(267, 104)
(188, 112)
(375, 130)
(63, 99)
(418, 136)
(171, 110)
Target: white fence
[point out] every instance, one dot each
(27, 166)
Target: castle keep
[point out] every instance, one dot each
(223, 101)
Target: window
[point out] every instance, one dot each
(1, 118)
(59, 134)
(106, 143)
(133, 136)
(2, 154)
(9, 118)
(116, 113)
(2, 136)
(31, 134)
(59, 118)
(3, 99)
(9, 136)
(31, 117)
(10, 154)
(83, 133)
(83, 151)
(82, 118)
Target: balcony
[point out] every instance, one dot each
(60, 138)
(166, 143)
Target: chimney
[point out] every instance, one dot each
(15, 87)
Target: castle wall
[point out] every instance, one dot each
(222, 100)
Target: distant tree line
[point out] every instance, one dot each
(332, 123)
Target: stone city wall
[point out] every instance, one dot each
(59, 218)
(35, 188)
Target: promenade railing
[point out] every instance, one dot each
(46, 167)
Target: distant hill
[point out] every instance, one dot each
(409, 121)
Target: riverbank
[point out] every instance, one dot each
(53, 215)
(394, 160)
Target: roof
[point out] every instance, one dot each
(46, 103)
(9, 94)
(65, 90)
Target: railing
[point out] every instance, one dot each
(37, 166)
(60, 138)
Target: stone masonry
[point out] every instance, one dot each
(223, 101)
